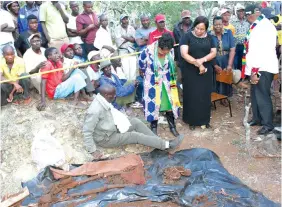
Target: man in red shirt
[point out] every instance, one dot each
(87, 25)
(160, 23)
(59, 84)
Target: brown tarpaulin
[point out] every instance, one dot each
(130, 167)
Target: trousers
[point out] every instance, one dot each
(238, 56)
(138, 133)
(261, 100)
(129, 65)
(6, 89)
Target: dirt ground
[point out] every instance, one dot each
(226, 138)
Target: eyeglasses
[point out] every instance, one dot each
(161, 22)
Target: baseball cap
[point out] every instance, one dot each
(65, 46)
(251, 9)
(267, 12)
(122, 16)
(239, 7)
(185, 13)
(223, 11)
(159, 18)
(32, 36)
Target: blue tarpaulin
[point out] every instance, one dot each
(208, 178)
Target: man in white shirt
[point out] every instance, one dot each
(261, 65)
(35, 59)
(125, 39)
(103, 40)
(7, 27)
(71, 25)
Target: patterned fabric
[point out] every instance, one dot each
(155, 76)
(241, 29)
(224, 44)
(246, 44)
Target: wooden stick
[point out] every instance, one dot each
(15, 198)
(246, 125)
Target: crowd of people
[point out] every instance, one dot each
(40, 37)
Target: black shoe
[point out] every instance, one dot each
(174, 132)
(192, 128)
(171, 123)
(254, 123)
(208, 126)
(176, 142)
(154, 127)
(264, 131)
(155, 131)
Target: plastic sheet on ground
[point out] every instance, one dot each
(209, 183)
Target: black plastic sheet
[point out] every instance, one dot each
(208, 178)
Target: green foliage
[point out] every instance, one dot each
(172, 9)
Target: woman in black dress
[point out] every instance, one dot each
(197, 51)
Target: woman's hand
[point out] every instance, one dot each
(218, 69)
(229, 68)
(202, 69)
(200, 61)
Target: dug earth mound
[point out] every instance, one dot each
(20, 124)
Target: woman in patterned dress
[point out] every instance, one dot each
(224, 42)
(160, 90)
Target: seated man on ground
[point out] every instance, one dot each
(78, 56)
(108, 127)
(57, 84)
(94, 56)
(68, 62)
(139, 91)
(12, 67)
(117, 67)
(22, 44)
(125, 90)
(35, 59)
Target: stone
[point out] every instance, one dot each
(216, 131)
(270, 144)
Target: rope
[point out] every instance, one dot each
(74, 66)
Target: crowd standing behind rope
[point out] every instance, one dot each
(42, 36)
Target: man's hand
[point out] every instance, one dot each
(254, 78)
(3, 26)
(96, 83)
(41, 106)
(91, 26)
(41, 65)
(136, 83)
(11, 97)
(19, 89)
(112, 50)
(97, 155)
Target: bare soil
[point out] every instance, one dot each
(174, 173)
(226, 138)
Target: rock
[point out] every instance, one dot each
(178, 125)
(270, 144)
(216, 131)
